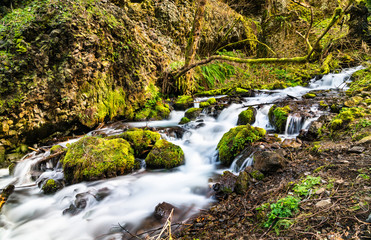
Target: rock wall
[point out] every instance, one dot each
(73, 64)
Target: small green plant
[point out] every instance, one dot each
(304, 188)
(283, 208)
(363, 176)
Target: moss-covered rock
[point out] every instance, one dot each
(51, 186)
(247, 116)
(184, 120)
(93, 158)
(235, 140)
(193, 113)
(309, 95)
(164, 155)
(183, 102)
(278, 117)
(141, 140)
(56, 148)
(211, 101)
(204, 104)
(11, 168)
(153, 111)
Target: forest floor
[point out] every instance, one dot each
(336, 207)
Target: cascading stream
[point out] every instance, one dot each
(31, 215)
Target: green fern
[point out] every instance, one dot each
(217, 73)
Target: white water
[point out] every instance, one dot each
(31, 215)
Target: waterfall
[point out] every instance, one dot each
(132, 198)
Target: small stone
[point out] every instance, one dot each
(320, 191)
(357, 149)
(323, 203)
(340, 181)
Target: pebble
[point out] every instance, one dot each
(357, 149)
(320, 191)
(323, 203)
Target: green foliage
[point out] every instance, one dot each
(217, 73)
(235, 140)
(283, 208)
(164, 155)
(93, 158)
(305, 186)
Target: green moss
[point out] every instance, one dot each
(309, 95)
(183, 102)
(246, 117)
(346, 116)
(211, 101)
(278, 117)
(193, 113)
(56, 148)
(93, 158)
(50, 187)
(140, 140)
(257, 175)
(235, 140)
(164, 155)
(361, 82)
(184, 120)
(204, 104)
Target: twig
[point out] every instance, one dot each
(122, 227)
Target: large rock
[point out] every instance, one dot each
(268, 161)
(140, 140)
(278, 117)
(236, 140)
(164, 154)
(247, 116)
(93, 158)
(193, 113)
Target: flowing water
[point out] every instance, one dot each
(29, 214)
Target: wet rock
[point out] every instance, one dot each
(51, 186)
(247, 116)
(163, 210)
(242, 182)
(183, 102)
(193, 113)
(278, 117)
(268, 161)
(365, 140)
(164, 154)
(226, 185)
(236, 140)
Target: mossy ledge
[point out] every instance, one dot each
(236, 140)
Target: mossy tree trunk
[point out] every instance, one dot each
(187, 85)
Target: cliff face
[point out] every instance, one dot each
(74, 63)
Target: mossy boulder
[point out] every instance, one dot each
(237, 139)
(211, 101)
(141, 140)
(183, 102)
(164, 155)
(51, 186)
(193, 113)
(278, 117)
(93, 158)
(153, 111)
(184, 120)
(247, 116)
(204, 104)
